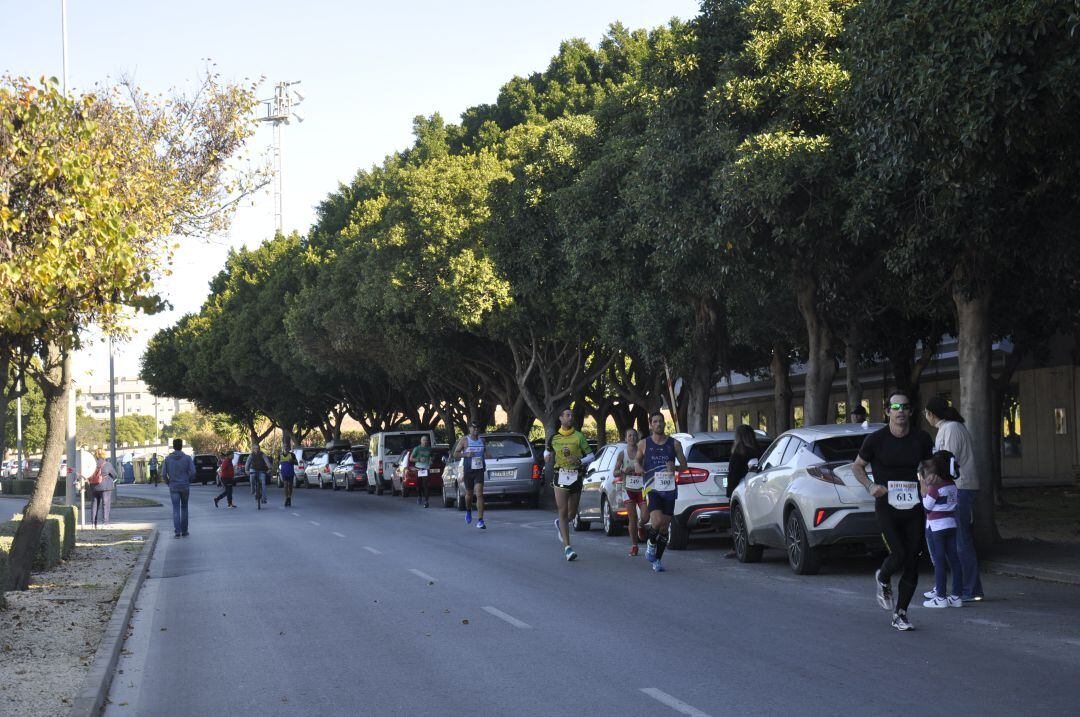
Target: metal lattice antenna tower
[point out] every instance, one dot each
(281, 110)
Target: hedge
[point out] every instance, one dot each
(49, 547)
(70, 516)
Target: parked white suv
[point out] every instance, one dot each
(384, 453)
(802, 497)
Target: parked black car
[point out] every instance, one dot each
(205, 468)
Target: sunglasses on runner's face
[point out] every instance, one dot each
(900, 406)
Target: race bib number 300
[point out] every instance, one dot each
(664, 481)
(634, 482)
(903, 494)
(567, 476)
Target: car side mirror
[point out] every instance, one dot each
(753, 465)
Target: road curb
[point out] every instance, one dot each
(1028, 571)
(91, 698)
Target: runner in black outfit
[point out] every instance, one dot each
(894, 454)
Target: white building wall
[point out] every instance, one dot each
(133, 398)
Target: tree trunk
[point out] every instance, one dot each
(5, 376)
(820, 364)
(975, 344)
(781, 371)
(517, 416)
(286, 439)
(55, 384)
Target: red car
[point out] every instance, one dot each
(406, 476)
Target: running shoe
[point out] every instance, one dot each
(955, 601)
(936, 602)
(633, 551)
(570, 554)
(216, 501)
(884, 592)
(900, 621)
(468, 517)
(657, 567)
(930, 594)
(480, 524)
(650, 552)
(425, 504)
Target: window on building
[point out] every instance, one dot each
(799, 417)
(715, 421)
(762, 422)
(744, 418)
(841, 412)
(730, 422)
(1011, 444)
(136, 397)
(1060, 426)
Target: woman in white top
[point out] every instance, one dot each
(102, 484)
(953, 436)
(628, 470)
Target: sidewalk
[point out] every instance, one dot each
(1034, 558)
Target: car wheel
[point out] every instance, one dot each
(459, 498)
(447, 500)
(404, 491)
(611, 529)
(533, 501)
(678, 535)
(803, 559)
(348, 485)
(370, 488)
(580, 526)
(740, 538)
(334, 484)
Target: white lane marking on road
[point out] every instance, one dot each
(842, 591)
(372, 550)
(338, 534)
(508, 618)
(314, 523)
(296, 514)
(677, 705)
(421, 575)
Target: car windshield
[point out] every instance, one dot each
(336, 456)
(840, 448)
(710, 452)
(395, 444)
(308, 453)
(507, 447)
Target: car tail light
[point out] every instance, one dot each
(824, 473)
(691, 475)
(536, 472)
(378, 467)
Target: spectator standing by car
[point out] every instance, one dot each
(228, 479)
(628, 469)
(287, 471)
(743, 450)
(953, 436)
(939, 502)
(894, 454)
(153, 469)
(570, 452)
(102, 484)
(858, 415)
(421, 458)
(472, 449)
(661, 457)
(258, 468)
(178, 470)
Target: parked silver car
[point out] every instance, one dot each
(602, 498)
(511, 472)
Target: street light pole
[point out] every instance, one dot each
(279, 111)
(18, 427)
(112, 408)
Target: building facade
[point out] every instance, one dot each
(1039, 441)
(133, 398)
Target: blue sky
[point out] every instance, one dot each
(367, 68)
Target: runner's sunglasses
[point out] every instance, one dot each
(900, 406)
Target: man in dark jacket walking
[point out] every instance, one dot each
(178, 470)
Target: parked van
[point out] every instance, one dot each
(384, 453)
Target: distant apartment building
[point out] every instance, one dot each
(133, 398)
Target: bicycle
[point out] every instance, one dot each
(258, 491)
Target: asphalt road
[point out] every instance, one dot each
(350, 604)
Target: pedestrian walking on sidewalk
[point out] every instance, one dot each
(154, 470)
(894, 454)
(287, 471)
(953, 436)
(228, 479)
(102, 485)
(939, 502)
(178, 470)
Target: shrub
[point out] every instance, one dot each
(49, 547)
(69, 514)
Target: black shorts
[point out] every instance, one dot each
(288, 480)
(661, 502)
(472, 478)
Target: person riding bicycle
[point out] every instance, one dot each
(258, 468)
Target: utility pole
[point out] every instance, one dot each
(69, 362)
(112, 407)
(18, 426)
(280, 111)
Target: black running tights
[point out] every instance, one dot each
(903, 531)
